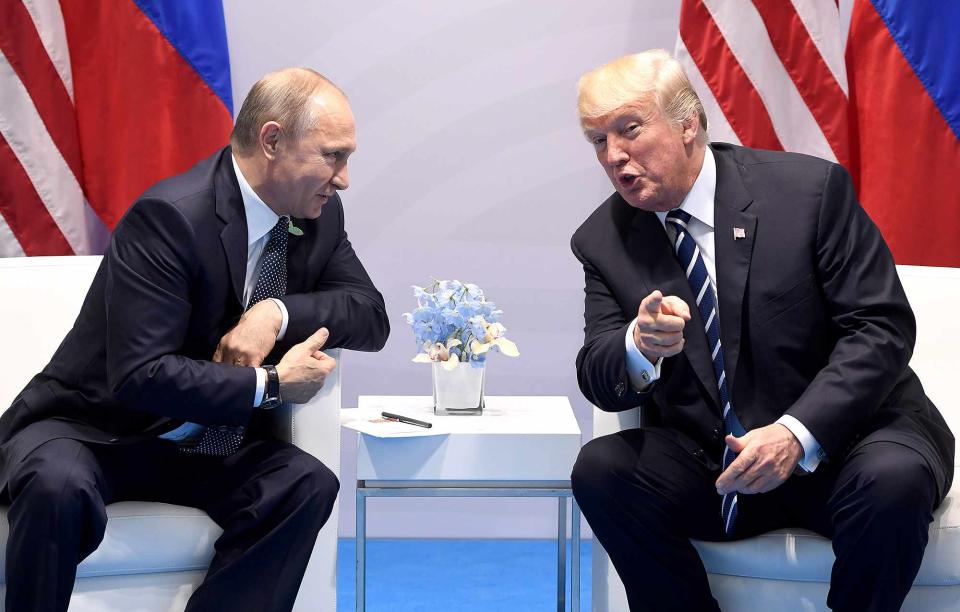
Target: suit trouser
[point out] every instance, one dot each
(270, 498)
(645, 496)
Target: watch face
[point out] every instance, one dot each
(273, 402)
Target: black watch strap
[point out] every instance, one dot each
(272, 396)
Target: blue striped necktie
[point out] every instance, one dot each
(688, 253)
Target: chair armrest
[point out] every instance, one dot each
(606, 423)
(316, 424)
(316, 429)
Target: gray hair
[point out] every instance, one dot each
(282, 96)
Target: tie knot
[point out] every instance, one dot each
(679, 217)
(280, 229)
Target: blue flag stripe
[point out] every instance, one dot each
(196, 30)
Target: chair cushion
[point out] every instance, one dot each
(798, 554)
(144, 537)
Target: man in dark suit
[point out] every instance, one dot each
(162, 390)
(749, 305)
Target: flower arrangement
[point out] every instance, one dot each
(453, 323)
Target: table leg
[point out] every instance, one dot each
(561, 553)
(575, 554)
(361, 545)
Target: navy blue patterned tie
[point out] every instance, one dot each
(688, 253)
(271, 282)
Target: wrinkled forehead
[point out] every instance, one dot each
(644, 108)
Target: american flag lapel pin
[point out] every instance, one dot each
(738, 233)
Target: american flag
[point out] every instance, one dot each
(774, 74)
(98, 100)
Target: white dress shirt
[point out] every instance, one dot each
(260, 220)
(699, 204)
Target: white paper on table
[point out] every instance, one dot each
(381, 428)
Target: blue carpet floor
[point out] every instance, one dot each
(458, 576)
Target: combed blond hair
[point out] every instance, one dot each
(282, 96)
(633, 77)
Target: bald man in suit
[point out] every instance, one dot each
(217, 293)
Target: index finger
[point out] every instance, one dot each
(651, 303)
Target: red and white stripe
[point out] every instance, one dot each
(43, 210)
(770, 73)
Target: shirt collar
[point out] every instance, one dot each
(260, 219)
(699, 200)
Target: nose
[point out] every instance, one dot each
(616, 155)
(341, 179)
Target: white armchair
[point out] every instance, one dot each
(153, 555)
(789, 570)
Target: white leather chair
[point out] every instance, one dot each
(153, 555)
(789, 570)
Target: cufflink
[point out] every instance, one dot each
(645, 376)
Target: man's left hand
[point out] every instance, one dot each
(252, 339)
(766, 457)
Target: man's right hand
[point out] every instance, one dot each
(304, 368)
(660, 322)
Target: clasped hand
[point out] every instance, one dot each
(252, 338)
(766, 457)
(302, 370)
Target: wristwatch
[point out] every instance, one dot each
(271, 395)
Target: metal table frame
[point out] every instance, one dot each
(445, 488)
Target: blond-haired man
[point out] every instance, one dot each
(749, 305)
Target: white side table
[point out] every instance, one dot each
(520, 447)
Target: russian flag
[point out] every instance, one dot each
(99, 99)
(903, 66)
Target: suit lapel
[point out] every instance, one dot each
(734, 234)
(233, 235)
(649, 246)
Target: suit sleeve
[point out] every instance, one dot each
(870, 316)
(602, 362)
(344, 301)
(151, 264)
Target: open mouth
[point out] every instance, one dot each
(627, 181)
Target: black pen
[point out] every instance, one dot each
(407, 420)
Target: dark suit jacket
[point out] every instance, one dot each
(137, 361)
(814, 322)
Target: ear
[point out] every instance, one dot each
(270, 135)
(690, 127)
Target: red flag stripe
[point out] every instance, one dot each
(24, 211)
(731, 86)
(905, 176)
(21, 44)
(810, 73)
(188, 108)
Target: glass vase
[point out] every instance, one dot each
(458, 391)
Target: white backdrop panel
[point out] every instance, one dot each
(470, 165)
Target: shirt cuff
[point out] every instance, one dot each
(261, 385)
(286, 318)
(812, 451)
(641, 372)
